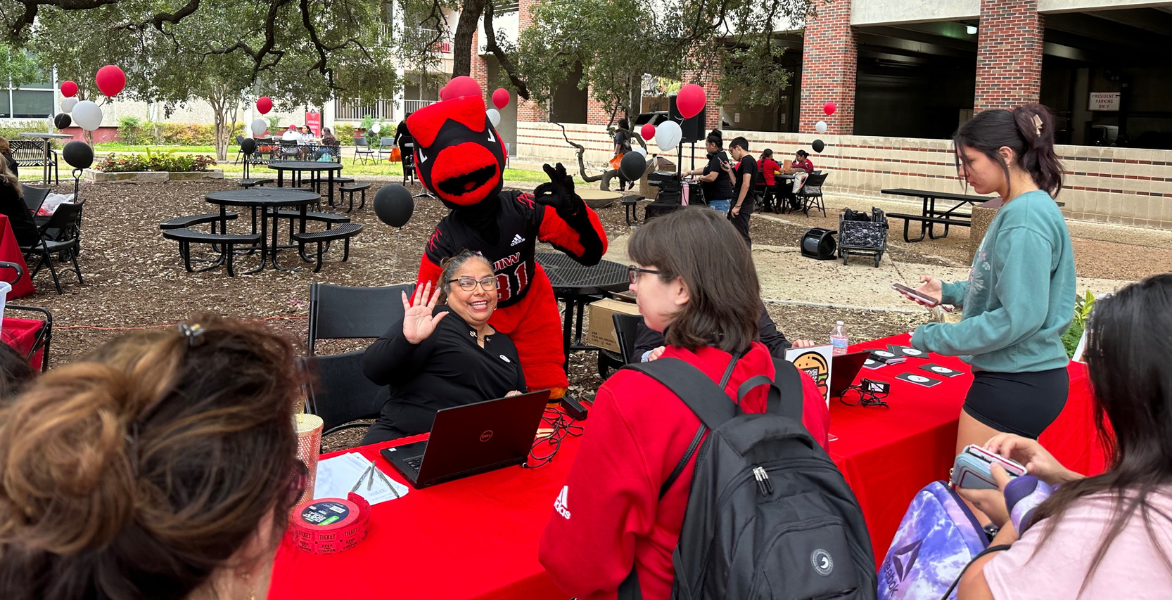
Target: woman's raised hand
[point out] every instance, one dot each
(418, 322)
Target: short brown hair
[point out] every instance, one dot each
(700, 245)
(139, 473)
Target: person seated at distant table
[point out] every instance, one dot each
(445, 356)
(291, 134)
(801, 162)
(649, 343)
(329, 145)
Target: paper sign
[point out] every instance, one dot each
(1104, 101)
(336, 477)
(816, 362)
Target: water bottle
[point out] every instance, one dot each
(838, 339)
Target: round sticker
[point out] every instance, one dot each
(324, 513)
(912, 351)
(941, 370)
(823, 563)
(882, 353)
(917, 378)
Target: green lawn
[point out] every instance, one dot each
(120, 147)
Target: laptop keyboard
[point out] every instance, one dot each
(414, 462)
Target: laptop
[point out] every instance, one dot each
(472, 439)
(845, 368)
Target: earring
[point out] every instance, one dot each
(251, 590)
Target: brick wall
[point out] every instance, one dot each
(829, 62)
(596, 114)
(1009, 54)
(1127, 186)
(479, 68)
(527, 112)
(707, 79)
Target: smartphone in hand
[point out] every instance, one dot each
(919, 297)
(972, 468)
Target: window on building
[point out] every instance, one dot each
(31, 104)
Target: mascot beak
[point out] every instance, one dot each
(459, 156)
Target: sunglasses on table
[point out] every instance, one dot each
(469, 283)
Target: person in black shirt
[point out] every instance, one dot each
(649, 343)
(12, 206)
(718, 191)
(402, 136)
(441, 357)
(742, 177)
(622, 145)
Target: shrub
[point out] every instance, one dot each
(131, 131)
(1083, 305)
(345, 134)
(156, 161)
(13, 130)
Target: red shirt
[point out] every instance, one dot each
(768, 167)
(608, 516)
(804, 165)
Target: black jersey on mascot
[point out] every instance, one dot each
(460, 157)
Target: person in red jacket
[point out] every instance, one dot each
(694, 273)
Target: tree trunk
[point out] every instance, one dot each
(635, 108)
(462, 41)
(220, 138)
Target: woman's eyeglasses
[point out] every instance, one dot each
(469, 283)
(633, 273)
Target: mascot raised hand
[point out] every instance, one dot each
(461, 159)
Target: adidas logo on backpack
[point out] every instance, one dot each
(769, 515)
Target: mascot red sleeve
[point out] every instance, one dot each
(461, 159)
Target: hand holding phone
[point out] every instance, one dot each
(917, 296)
(972, 468)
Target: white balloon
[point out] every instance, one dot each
(376, 127)
(640, 150)
(67, 104)
(87, 115)
(821, 126)
(668, 135)
(259, 127)
(494, 116)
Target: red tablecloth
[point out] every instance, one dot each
(477, 537)
(10, 252)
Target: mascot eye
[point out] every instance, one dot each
(490, 137)
(422, 157)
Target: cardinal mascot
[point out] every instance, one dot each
(460, 157)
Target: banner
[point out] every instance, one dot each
(313, 122)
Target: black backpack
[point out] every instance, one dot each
(769, 515)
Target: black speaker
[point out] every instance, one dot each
(693, 129)
(819, 243)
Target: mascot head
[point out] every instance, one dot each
(458, 154)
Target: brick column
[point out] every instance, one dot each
(596, 114)
(479, 68)
(1009, 54)
(830, 57)
(708, 79)
(527, 112)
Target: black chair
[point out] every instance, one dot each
(811, 193)
(290, 150)
(61, 234)
(340, 393)
(408, 152)
(626, 327)
(239, 151)
(361, 148)
(342, 312)
(34, 197)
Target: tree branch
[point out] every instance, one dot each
(174, 18)
(502, 58)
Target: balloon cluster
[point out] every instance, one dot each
(821, 127)
(86, 114)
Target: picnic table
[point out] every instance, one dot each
(297, 167)
(930, 216)
(267, 201)
(578, 285)
(48, 162)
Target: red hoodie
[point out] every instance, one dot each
(609, 516)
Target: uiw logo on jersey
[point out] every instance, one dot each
(517, 239)
(560, 504)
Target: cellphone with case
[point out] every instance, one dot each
(971, 469)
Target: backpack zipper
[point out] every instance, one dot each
(763, 484)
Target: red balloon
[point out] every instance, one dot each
(829, 108)
(68, 89)
(690, 101)
(111, 80)
(647, 131)
(463, 86)
(264, 104)
(500, 98)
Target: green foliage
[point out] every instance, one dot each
(1083, 305)
(345, 133)
(12, 130)
(367, 122)
(132, 132)
(156, 161)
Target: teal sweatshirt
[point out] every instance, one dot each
(1019, 298)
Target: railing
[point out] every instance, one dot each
(501, 7)
(350, 109)
(411, 106)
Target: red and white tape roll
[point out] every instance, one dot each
(330, 525)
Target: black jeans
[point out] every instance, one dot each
(741, 220)
(399, 420)
(1021, 403)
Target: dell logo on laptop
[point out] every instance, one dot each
(487, 435)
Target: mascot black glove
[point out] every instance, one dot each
(559, 192)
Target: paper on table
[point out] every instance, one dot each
(336, 477)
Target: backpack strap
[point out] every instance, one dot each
(989, 550)
(785, 390)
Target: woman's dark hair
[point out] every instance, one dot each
(702, 247)
(140, 472)
(15, 372)
(766, 153)
(714, 138)
(1129, 346)
(802, 153)
(1028, 130)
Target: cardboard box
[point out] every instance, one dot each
(600, 331)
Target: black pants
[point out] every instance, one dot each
(399, 420)
(1021, 403)
(741, 221)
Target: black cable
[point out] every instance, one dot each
(865, 398)
(562, 426)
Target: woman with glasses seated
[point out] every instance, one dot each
(442, 356)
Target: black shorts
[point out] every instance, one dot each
(1021, 403)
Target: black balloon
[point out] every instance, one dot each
(393, 204)
(79, 155)
(248, 146)
(633, 166)
(818, 146)
(62, 120)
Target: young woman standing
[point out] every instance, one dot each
(1019, 297)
